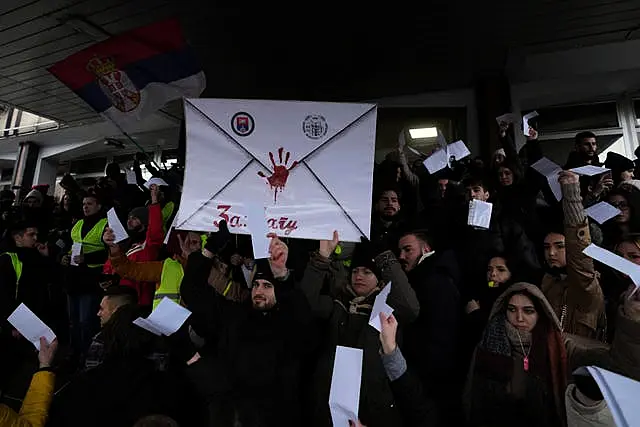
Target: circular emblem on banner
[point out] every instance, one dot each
(314, 126)
(242, 124)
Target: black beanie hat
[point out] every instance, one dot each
(363, 256)
(618, 163)
(262, 271)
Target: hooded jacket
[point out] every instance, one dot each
(496, 371)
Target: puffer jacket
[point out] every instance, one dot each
(35, 407)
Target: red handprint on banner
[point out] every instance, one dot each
(278, 178)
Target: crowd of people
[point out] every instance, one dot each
(488, 324)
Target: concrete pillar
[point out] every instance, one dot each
(493, 98)
(24, 169)
(45, 173)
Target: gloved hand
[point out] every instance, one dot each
(218, 241)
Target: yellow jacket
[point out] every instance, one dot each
(35, 406)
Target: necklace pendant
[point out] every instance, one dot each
(525, 364)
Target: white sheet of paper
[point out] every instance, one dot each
(170, 229)
(156, 181)
(438, 160)
(458, 150)
(166, 319)
(257, 223)
(602, 212)
(614, 261)
(525, 122)
(344, 396)
(380, 306)
(508, 118)
(620, 393)
(480, 214)
(589, 170)
(131, 177)
(30, 326)
(76, 249)
(551, 171)
(114, 224)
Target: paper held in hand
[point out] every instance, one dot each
(443, 157)
(614, 261)
(620, 393)
(257, 224)
(602, 212)
(344, 396)
(589, 170)
(526, 129)
(30, 326)
(116, 226)
(508, 118)
(166, 319)
(156, 181)
(480, 214)
(551, 172)
(380, 306)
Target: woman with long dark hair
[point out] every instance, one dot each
(518, 371)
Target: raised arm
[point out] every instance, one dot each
(139, 271)
(581, 272)
(314, 276)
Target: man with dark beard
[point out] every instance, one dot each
(585, 151)
(387, 219)
(145, 231)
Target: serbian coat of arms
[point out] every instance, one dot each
(115, 84)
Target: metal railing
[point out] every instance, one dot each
(34, 128)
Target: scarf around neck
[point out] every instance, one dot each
(520, 340)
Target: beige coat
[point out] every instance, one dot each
(576, 297)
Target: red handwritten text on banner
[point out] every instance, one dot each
(281, 223)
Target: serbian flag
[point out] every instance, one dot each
(132, 75)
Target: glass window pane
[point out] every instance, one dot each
(636, 108)
(576, 117)
(558, 150)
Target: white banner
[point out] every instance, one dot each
(309, 163)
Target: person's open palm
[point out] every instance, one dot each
(328, 246)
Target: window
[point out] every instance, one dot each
(570, 118)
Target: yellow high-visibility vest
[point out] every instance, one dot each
(172, 274)
(17, 267)
(167, 211)
(92, 242)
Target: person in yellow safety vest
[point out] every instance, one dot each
(26, 276)
(167, 274)
(25, 271)
(84, 272)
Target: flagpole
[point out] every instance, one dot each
(134, 143)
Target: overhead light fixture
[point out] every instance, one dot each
(82, 25)
(421, 133)
(112, 142)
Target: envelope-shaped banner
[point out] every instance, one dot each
(309, 163)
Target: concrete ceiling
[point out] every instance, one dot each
(316, 51)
